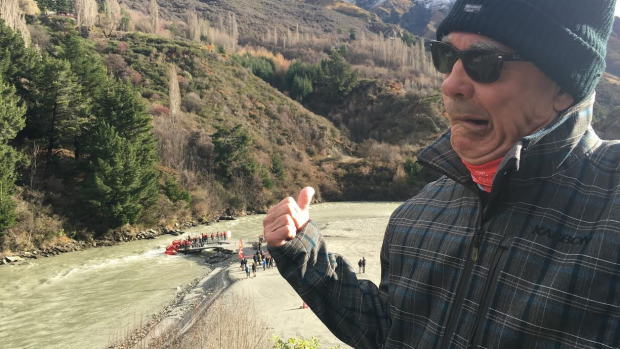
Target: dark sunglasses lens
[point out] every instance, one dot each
(444, 57)
(482, 66)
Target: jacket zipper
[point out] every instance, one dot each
(501, 254)
(472, 257)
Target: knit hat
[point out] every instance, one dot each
(566, 39)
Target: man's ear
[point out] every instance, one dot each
(562, 100)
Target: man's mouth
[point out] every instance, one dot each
(477, 124)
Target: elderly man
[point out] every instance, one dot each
(518, 244)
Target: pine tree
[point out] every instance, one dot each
(276, 167)
(126, 24)
(121, 108)
(117, 189)
(340, 78)
(91, 78)
(11, 114)
(302, 87)
(11, 122)
(57, 108)
(18, 63)
(231, 147)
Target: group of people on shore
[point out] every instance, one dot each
(258, 259)
(203, 239)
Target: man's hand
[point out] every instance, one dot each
(287, 217)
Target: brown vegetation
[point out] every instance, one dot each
(232, 323)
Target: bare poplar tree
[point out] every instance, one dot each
(193, 26)
(154, 12)
(297, 34)
(205, 28)
(13, 17)
(175, 94)
(110, 20)
(29, 7)
(85, 12)
(220, 22)
(234, 31)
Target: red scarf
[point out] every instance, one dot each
(483, 174)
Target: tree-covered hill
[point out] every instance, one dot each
(134, 115)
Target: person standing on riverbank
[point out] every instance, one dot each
(254, 269)
(516, 245)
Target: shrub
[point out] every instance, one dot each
(192, 103)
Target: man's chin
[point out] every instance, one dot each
(474, 152)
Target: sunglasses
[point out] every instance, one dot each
(482, 66)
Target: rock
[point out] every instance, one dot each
(26, 254)
(152, 231)
(13, 259)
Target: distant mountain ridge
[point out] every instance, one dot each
(429, 4)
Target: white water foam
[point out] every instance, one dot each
(97, 265)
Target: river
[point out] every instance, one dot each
(88, 298)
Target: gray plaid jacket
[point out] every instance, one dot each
(537, 267)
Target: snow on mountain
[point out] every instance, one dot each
(436, 4)
(429, 4)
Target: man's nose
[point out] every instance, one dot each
(458, 84)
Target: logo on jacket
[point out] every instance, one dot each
(470, 8)
(561, 238)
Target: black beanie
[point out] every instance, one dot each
(566, 39)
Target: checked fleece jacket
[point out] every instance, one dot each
(538, 266)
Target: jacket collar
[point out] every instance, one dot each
(540, 155)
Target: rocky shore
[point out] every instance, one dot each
(115, 238)
(197, 294)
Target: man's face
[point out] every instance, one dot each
(488, 119)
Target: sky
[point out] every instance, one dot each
(618, 9)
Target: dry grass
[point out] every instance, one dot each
(229, 323)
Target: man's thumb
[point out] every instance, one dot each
(305, 197)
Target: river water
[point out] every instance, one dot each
(87, 299)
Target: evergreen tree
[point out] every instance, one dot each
(117, 189)
(11, 122)
(231, 148)
(64, 5)
(313, 72)
(85, 64)
(57, 108)
(276, 167)
(18, 63)
(121, 108)
(126, 23)
(340, 78)
(91, 78)
(352, 35)
(302, 87)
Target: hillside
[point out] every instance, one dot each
(218, 127)
(256, 18)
